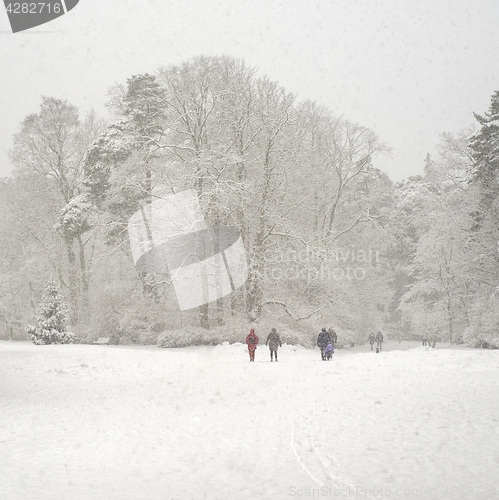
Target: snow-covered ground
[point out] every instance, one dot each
(105, 422)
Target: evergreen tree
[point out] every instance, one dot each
(51, 323)
(485, 151)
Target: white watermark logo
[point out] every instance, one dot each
(312, 264)
(170, 236)
(362, 491)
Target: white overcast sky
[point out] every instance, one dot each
(407, 69)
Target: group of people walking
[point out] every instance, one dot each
(429, 341)
(325, 341)
(273, 341)
(376, 339)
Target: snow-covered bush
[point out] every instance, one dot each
(233, 331)
(482, 339)
(483, 328)
(127, 317)
(346, 339)
(138, 325)
(187, 336)
(51, 322)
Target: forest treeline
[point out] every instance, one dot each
(330, 240)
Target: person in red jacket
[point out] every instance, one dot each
(252, 341)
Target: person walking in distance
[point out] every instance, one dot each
(274, 342)
(334, 336)
(432, 340)
(323, 340)
(371, 340)
(379, 340)
(252, 342)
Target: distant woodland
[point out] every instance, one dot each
(330, 240)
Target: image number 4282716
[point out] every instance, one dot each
(26, 15)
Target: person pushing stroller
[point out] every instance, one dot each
(323, 340)
(329, 351)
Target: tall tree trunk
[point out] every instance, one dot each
(83, 271)
(220, 312)
(204, 320)
(258, 264)
(73, 283)
(204, 310)
(239, 299)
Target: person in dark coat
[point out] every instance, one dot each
(371, 340)
(379, 340)
(274, 342)
(323, 340)
(334, 337)
(252, 342)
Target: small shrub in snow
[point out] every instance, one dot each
(483, 331)
(187, 336)
(51, 322)
(128, 320)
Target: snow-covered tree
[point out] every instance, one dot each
(284, 173)
(51, 321)
(484, 237)
(50, 148)
(299, 182)
(451, 263)
(484, 145)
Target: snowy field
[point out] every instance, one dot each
(106, 422)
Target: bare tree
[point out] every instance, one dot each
(52, 145)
